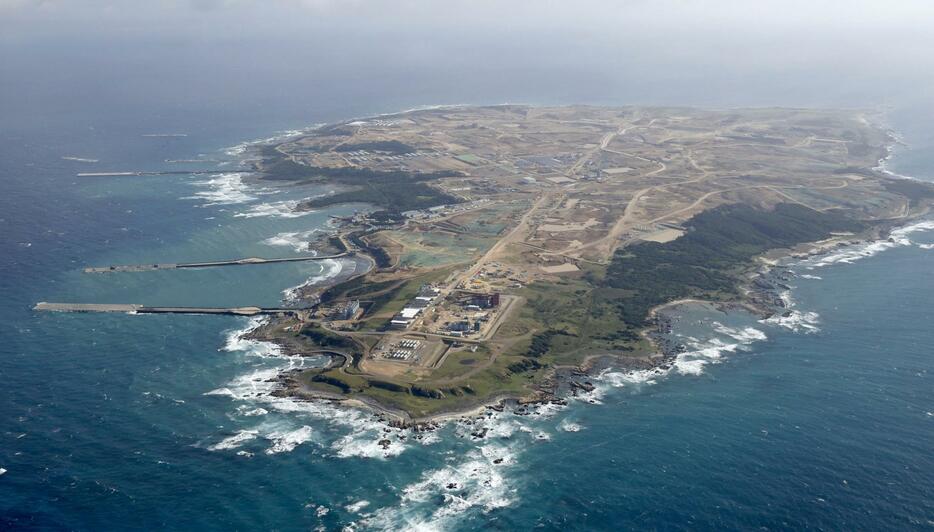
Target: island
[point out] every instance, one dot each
(507, 251)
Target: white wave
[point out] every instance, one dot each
(711, 351)
(744, 335)
(287, 441)
(491, 426)
(926, 246)
(300, 241)
(883, 163)
(428, 438)
(246, 411)
(692, 362)
(903, 232)
(474, 483)
(620, 379)
(362, 443)
(809, 276)
(357, 506)
(364, 431)
(330, 268)
(275, 209)
(849, 254)
(568, 426)
(546, 410)
(796, 321)
(232, 442)
(240, 149)
(612, 378)
(236, 341)
(224, 189)
(690, 367)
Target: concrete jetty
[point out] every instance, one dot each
(213, 264)
(162, 172)
(141, 309)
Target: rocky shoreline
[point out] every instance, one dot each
(761, 296)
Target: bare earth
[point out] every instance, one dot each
(548, 196)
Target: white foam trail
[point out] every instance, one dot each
(614, 378)
(692, 362)
(275, 209)
(357, 506)
(287, 441)
(224, 189)
(240, 149)
(903, 232)
(620, 379)
(232, 442)
(244, 410)
(477, 482)
(849, 254)
(883, 165)
(299, 241)
(792, 319)
(255, 388)
(745, 335)
(330, 268)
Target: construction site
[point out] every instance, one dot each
(510, 240)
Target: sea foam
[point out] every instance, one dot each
(330, 268)
(299, 241)
(223, 189)
(852, 253)
(274, 209)
(434, 502)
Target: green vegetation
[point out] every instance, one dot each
(601, 311)
(423, 397)
(542, 342)
(915, 191)
(395, 191)
(326, 339)
(568, 320)
(705, 261)
(388, 146)
(469, 158)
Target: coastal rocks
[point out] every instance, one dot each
(479, 434)
(585, 386)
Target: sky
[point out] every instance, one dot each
(720, 53)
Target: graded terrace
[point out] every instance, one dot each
(512, 243)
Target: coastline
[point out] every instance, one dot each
(565, 382)
(560, 381)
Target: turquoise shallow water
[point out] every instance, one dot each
(136, 422)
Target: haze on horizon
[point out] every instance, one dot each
(246, 53)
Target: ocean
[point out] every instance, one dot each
(821, 421)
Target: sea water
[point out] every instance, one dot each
(824, 419)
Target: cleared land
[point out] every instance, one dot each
(579, 219)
